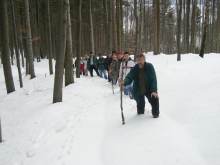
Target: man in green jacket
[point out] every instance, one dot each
(144, 81)
(92, 64)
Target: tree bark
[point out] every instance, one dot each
(107, 34)
(136, 28)
(14, 27)
(157, 37)
(114, 28)
(92, 41)
(49, 39)
(79, 38)
(29, 40)
(187, 25)
(217, 26)
(59, 67)
(193, 27)
(205, 26)
(179, 17)
(5, 47)
(69, 79)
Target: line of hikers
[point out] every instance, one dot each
(136, 79)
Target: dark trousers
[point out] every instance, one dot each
(140, 100)
(91, 68)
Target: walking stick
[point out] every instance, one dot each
(113, 91)
(121, 97)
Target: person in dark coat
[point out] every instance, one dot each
(114, 69)
(92, 64)
(101, 67)
(108, 62)
(144, 81)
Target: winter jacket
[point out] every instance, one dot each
(108, 62)
(95, 61)
(125, 68)
(114, 70)
(101, 63)
(149, 76)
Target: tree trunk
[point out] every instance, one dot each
(59, 67)
(5, 47)
(179, 17)
(157, 37)
(187, 25)
(91, 28)
(79, 37)
(14, 27)
(205, 26)
(114, 31)
(119, 23)
(110, 30)
(49, 39)
(69, 79)
(193, 27)
(217, 26)
(136, 28)
(140, 41)
(107, 35)
(29, 40)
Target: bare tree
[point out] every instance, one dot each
(69, 79)
(5, 47)
(193, 26)
(157, 27)
(114, 28)
(79, 39)
(29, 40)
(179, 17)
(59, 67)
(205, 26)
(14, 27)
(91, 27)
(49, 38)
(187, 24)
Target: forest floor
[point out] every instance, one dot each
(86, 127)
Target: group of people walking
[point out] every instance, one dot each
(136, 79)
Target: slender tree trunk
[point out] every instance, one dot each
(59, 67)
(119, 24)
(14, 27)
(29, 40)
(140, 41)
(193, 27)
(217, 26)
(157, 37)
(114, 31)
(205, 26)
(187, 25)
(69, 79)
(179, 17)
(136, 28)
(49, 39)
(107, 35)
(91, 28)
(5, 47)
(110, 30)
(79, 37)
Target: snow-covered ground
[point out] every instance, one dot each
(86, 127)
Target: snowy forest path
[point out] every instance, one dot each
(102, 139)
(86, 128)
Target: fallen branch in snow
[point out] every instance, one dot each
(0, 132)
